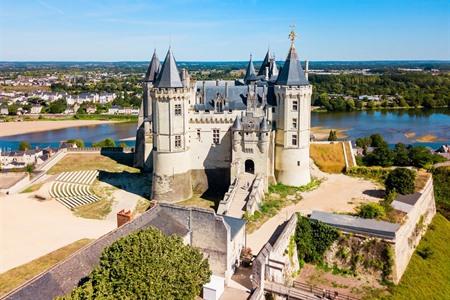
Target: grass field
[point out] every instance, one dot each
(33, 188)
(428, 278)
(328, 157)
(100, 209)
(93, 161)
(198, 201)
(17, 276)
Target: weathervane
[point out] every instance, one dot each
(292, 34)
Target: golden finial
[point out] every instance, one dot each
(292, 34)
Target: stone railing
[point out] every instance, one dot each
(225, 203)
(256, 195)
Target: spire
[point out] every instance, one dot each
(237, 123)
(250, 74)
(169, 77)
(153, 68)
(265, 63)
(264, 126)
(292, 72)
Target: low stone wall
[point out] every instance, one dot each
(256, 195)
(411, 232)
(225, 203)
(277, 261)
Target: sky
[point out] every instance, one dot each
(223, 30)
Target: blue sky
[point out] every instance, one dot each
(113, 30)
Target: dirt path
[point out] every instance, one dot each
(337, 193)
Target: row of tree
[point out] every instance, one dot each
(400, 155)
(406, 90)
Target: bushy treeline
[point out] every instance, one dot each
(313, 238)
(406, 90)
(441, 181)
(400, 155)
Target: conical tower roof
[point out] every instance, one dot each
(153, 68)
(292, 72)
(265, 63)
(250, 74)
(237, 123)
(169, 77)
(264, 126)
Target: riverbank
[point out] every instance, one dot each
(24, 127)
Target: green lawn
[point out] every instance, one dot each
(428, 278)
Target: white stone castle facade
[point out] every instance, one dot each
(200, 136)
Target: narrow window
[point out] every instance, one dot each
(216, 136)
(178, 141)
(198, 133)
(177, 109)
(294, 123)
(294, 140)
(295, 105)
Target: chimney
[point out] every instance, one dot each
(267, 73)
(217, 82)
(123, 217)
(306, 69)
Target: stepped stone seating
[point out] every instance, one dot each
(72, 189)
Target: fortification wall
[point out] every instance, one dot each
(411, 232)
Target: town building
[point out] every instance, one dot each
(200, 134)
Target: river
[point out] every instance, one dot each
(427, 127)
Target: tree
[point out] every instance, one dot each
(146, 265)
(24, 145)
(401, 157)
(78, 142)
(332, 136)
(381, 156)
(57, 107)
(363, 142)
(376, 140)
(108, 142)
(401, 180)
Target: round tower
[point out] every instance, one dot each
(293, 94)
(171, 151)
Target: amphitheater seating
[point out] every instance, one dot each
(72, 189)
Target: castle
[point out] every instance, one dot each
(203, 135)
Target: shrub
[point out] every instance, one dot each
(78, 142)
(332, 136)
(313, 238)
(441, 179)
(401, 180)
(371, 211)
(108, 142)
(24, 146)
(146, 265)
(425, 252)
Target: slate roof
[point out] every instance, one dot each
(292, 72)
(410, 199)
(265, 63)
(235, 225)
(153, 68)
(63, 277)
(236, 97)
(357, 225)
(250, 73)
(169, 77)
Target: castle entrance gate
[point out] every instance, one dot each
(249, 166)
